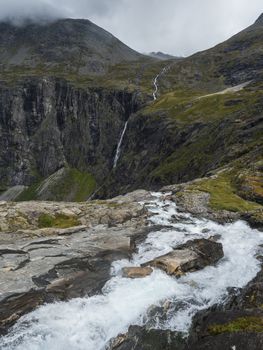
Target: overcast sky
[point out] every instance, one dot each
(179, 27)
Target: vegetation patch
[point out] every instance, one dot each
(223, 194)
(74, 186)
(29, 193)
(186, 105)
(71, 185)
(242, 324)
(58, 221)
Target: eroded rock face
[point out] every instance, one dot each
(191, 256)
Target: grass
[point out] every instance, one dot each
(73, 185)
(29, 194)
(185, 107)
(241, 324)
(58, 221)
(223, 194)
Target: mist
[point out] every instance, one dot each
(172, 26)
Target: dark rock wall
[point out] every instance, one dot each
(46, 124)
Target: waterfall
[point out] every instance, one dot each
(156, 87)
(155, 81)
(118, 151)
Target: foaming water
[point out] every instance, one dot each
(89, 323)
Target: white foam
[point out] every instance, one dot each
(89, 323)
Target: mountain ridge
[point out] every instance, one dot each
(69, 44)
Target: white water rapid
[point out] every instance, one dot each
(118, 151)
(89, 323)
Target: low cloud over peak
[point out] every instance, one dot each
(22, 11)
(174, 26)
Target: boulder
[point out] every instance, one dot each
(191, 256)
(136, 272)
(230, 329)
(238, 324)
(141, 338)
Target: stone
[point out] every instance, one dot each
(191, 256)
(141, 338)
(136, 272)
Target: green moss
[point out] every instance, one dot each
(59, 221)
(223, 194)
(242, 324)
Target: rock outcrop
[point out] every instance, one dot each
(237, 324)
(141, 338)
(48, 124)
(62, 261)
(136, 272)
(191, 256)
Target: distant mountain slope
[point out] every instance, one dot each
(161, 56)
(59, 132)
(237, 60)
(68, 44)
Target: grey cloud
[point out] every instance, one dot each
(180, 27)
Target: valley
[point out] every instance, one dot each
(131, 192)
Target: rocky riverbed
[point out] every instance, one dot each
(126, 271)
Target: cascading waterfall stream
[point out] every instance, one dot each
(90, 322)
(155, 81)
(155, 87)
(118, 151)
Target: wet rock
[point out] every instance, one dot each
(18, 304)
(58, 267)
(141, 338)
(239, 330)
(191, 256)
(255, 219)
(136, 272)
(238, 324)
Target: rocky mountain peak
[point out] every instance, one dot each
(260, 20)
(76, 44)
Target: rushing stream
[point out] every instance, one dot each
(89, 323)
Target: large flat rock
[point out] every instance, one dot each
(191, 256)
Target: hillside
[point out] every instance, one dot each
(131, 192)
(72, 46)
(60, 128)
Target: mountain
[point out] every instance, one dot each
(69, 45)
(161, 56)
(60, 129)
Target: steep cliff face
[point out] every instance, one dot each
(47, 124)
(159, 150)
